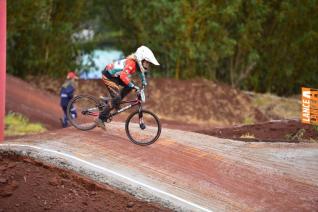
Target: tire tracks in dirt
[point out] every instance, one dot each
(213, 173)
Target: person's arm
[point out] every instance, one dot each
(143, 78)
(129, 68)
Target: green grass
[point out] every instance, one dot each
(298, 136)
(247, 135)
(275, 107)
(248, 120)
(17, 124)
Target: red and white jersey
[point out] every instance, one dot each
(124, 69)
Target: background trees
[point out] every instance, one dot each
(265, 46)
(40, 36)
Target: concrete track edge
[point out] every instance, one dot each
(102, 175)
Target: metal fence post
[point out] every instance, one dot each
(3, 33)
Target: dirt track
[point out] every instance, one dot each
(43, 106)
(38, 106)
(213, 173)
(207, 171)
(28, 185)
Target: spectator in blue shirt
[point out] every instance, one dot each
(66, 94)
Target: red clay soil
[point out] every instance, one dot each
(187, 101)
(26, 185)
(42, 105)
(219, 174)
(201, 101)
(38, 105)
(275, 131)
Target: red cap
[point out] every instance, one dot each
(71, 75)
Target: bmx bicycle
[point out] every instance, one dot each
(142, 126)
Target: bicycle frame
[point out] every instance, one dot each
(90, 107)
(132, 103)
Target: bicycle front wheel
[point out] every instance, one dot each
(82, 111)
(143, 127)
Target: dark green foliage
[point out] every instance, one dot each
(40, 33)
(256, 44)
(260, 45)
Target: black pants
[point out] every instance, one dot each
(112, 85)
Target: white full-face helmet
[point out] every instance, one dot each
(144, 53)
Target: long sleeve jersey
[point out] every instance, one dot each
(124, 69)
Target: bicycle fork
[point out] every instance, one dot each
(141, 119)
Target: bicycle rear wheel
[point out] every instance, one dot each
(143, 128)
(82, 111)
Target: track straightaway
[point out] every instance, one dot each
(190, 171)
(187, 203)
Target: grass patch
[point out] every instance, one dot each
(275, 107)
(312, 140)
(248, 135)
(248, 120)
(298, 136)
(17, 124)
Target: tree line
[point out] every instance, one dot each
(259, 45)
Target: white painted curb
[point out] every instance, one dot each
(114, 173)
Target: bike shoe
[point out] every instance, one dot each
(100, 123)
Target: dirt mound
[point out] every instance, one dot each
(192, 105)
(188, 101)
(37, 104)
(26, 185)
(202, 102)
(275, 131)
